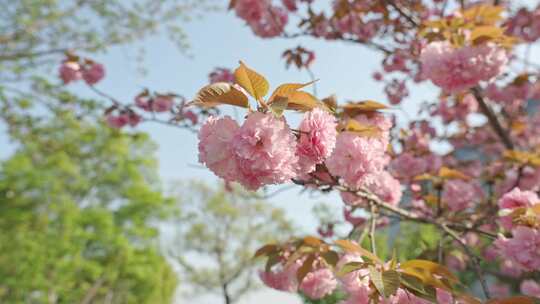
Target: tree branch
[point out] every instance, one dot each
(492, 118)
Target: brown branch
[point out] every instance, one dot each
(492, 118)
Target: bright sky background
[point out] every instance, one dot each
(220, 40)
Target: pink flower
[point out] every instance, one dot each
(382, 184)
(523, 248)
(515, 199)
(162, 103)
(191, 116)
(70, 71)
(347, 213)
(251, 10)
(499, 290)
(221, 75)
(117, 121)
(356, 282)
(93, 73)
(317, 139)
(530, 288)
(290, 5)
(403, 296)
(283, 279)
(406, 166)
(264, 148)
(455, 70)
(159, 104)
(215, 146)
(318, 283)
(272, 23)
(459, 195)
(121, 120)
(355, 157)
(396, 91)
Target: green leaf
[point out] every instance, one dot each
(412, 283)
(279, 105)
(350, 267)
(331, 257)
(272, 260)
(391, 280)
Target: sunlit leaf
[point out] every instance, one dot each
(312, 241)
(302, 101)
(286, 89)
(485, 33)
(448, 173)
(355, 126)
(220, 93)
(266, 250)
(306, 267)
(331, 257)
(350, 267)
(254, 83)
(355, 248)
(368, 106)
(279, 105)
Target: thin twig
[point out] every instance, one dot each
(492, 118)
(472, 256)
(372, 227)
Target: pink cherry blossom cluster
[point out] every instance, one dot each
(265, 19)
(72, 70)
(264, 150)
(221, 75)
(157, 103)
(458, 69)
(525, 24)
(523, 247)
(322, 281)
(360, 161)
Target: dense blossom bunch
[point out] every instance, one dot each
(266, 20)
(72, 70)
(523, 248)
(456, 69)
(525, 24)
(264, 150)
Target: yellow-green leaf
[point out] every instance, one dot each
(279, 105)
(485, 33)
(220, 93)
(265, 250)
(306, 267)
(302, 101)
(286, 89)
(366, 106)
(254, 83)
(448, 173)
(429, 267)
(312, 241)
